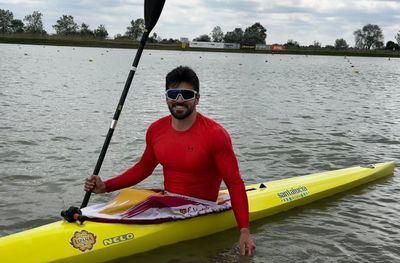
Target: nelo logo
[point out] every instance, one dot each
(118, 239)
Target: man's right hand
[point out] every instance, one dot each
(95, 184)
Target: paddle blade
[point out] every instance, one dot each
(152, 11)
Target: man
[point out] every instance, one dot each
(196, 154)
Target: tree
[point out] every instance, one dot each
(316, 44)
(85, 31)
(292, 44)
(153, 38)
(397, 37)
(6, 17)
(66, 26)
(236, 36)
(340, 43)
(358, 39)
(169, 41)
(217, 35)
(390, 45)
(101, 32)
(255, 34)
(17, 26)
(203, 38)
(370, 36)
(136, 29)
(34, 23)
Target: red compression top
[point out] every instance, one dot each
(194, 163)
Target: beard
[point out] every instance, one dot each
(182, 112)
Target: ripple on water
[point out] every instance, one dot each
(25, 142)
(60, 139)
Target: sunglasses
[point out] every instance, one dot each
(186, 94)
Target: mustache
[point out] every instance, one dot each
(180, 104)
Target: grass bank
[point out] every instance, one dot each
(87, 42)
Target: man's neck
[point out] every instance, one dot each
(185, 124)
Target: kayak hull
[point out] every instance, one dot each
(98, 242)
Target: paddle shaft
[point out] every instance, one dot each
(117, 112)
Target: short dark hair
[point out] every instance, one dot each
(182, 74)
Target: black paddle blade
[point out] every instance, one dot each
(152, 11)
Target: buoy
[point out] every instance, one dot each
(352, 66)
(162, 58)
(356, 71)
(266, 61)
(26, 54)
(90, 60)
(240, 64)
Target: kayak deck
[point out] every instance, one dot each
(99, 242)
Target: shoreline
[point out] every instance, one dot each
(81, 42)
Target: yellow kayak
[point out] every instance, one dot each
(98, 242)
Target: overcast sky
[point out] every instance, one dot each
(301, 20)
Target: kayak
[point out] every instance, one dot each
(98, 242)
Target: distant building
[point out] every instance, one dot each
(206, 44)
(221, 45)
(232, 45)
(245, 46)
(262, 47)
(278, 47)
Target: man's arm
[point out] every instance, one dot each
(132, 176)
(228, 167)
(138, 172)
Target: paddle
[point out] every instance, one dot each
(152, 11)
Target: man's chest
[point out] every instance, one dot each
(183, 152)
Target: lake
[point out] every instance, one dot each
(287, 115)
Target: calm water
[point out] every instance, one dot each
(287, 115)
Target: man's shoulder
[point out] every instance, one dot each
(212, 126)
(160, 123)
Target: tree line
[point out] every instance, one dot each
(368, 37)
(252, 35)
(66, 26)
(33, 24)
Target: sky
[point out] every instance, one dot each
(304, 21)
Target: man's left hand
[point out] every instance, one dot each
(246, 243)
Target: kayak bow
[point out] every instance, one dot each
(98, 242)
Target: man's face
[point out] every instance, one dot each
(181, 108)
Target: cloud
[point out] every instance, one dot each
(302, 20)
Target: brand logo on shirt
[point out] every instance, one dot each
(190, 148)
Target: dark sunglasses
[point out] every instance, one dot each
(186, 94)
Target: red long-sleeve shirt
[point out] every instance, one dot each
(194, 163)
